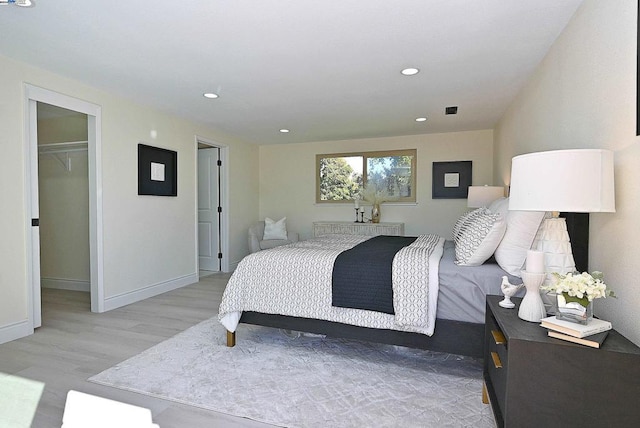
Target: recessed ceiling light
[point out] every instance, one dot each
(284, 131)
(210, 95)
(410, 71)
(421, 119)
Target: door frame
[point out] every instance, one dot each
(33, 95)
(224, 201)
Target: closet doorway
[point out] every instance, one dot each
(63, 199)
(211, 233)
(62, 155)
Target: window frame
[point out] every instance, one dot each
(365, 156)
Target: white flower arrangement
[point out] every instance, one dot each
(580, 287)
(376, 196)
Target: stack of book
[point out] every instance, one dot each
(591, 334)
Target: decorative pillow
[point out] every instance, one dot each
(479, 239)
(275, 229)
(522, 227)
(463, 221)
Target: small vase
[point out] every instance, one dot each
(573, 309)
(375, 213)
(532, 308)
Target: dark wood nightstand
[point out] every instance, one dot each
(533, 380)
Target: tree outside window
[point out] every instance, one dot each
(341, 177)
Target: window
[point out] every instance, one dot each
(340, 177)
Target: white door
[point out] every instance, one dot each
(35, 215)
(208, 209)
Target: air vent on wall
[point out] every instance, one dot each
(451, 110)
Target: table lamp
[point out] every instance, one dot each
(576, 181)
(579, 181)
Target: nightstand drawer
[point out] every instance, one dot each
(496, 360)
(501, 358)
(498, 376)
(496, 340)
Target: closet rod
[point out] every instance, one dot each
(72, 146)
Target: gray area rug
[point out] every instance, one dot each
(308, 381)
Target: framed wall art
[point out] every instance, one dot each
(451, 180)
(157, 171)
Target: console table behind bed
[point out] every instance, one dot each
(455, 337)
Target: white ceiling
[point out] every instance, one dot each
(325, 69)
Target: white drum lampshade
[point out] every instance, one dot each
(482, 196)
(577, 181)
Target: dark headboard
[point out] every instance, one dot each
(578, 228)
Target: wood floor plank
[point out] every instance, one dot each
(74, 344)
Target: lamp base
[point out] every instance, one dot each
(553, 240)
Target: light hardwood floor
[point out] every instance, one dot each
(74, 344)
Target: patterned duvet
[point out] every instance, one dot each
(295, 280)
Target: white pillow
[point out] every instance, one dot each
(479, 240)
(463, 221)
(522, 227)
(275, 229)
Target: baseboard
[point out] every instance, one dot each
(66, 284)
(130, 297)
(15, 331)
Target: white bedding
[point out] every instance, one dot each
(295, 280)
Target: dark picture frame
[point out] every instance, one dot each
(451, 180)
(157, 171)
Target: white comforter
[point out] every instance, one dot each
(295, 280)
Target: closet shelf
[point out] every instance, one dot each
(58, 149)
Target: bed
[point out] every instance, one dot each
(453, 321)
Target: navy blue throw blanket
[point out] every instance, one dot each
(362, 276)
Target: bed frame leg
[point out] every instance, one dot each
(485, 394)
(231, 339)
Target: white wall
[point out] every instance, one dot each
(147, 240)
(243, 197)
(583, 95)
(288, 172)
